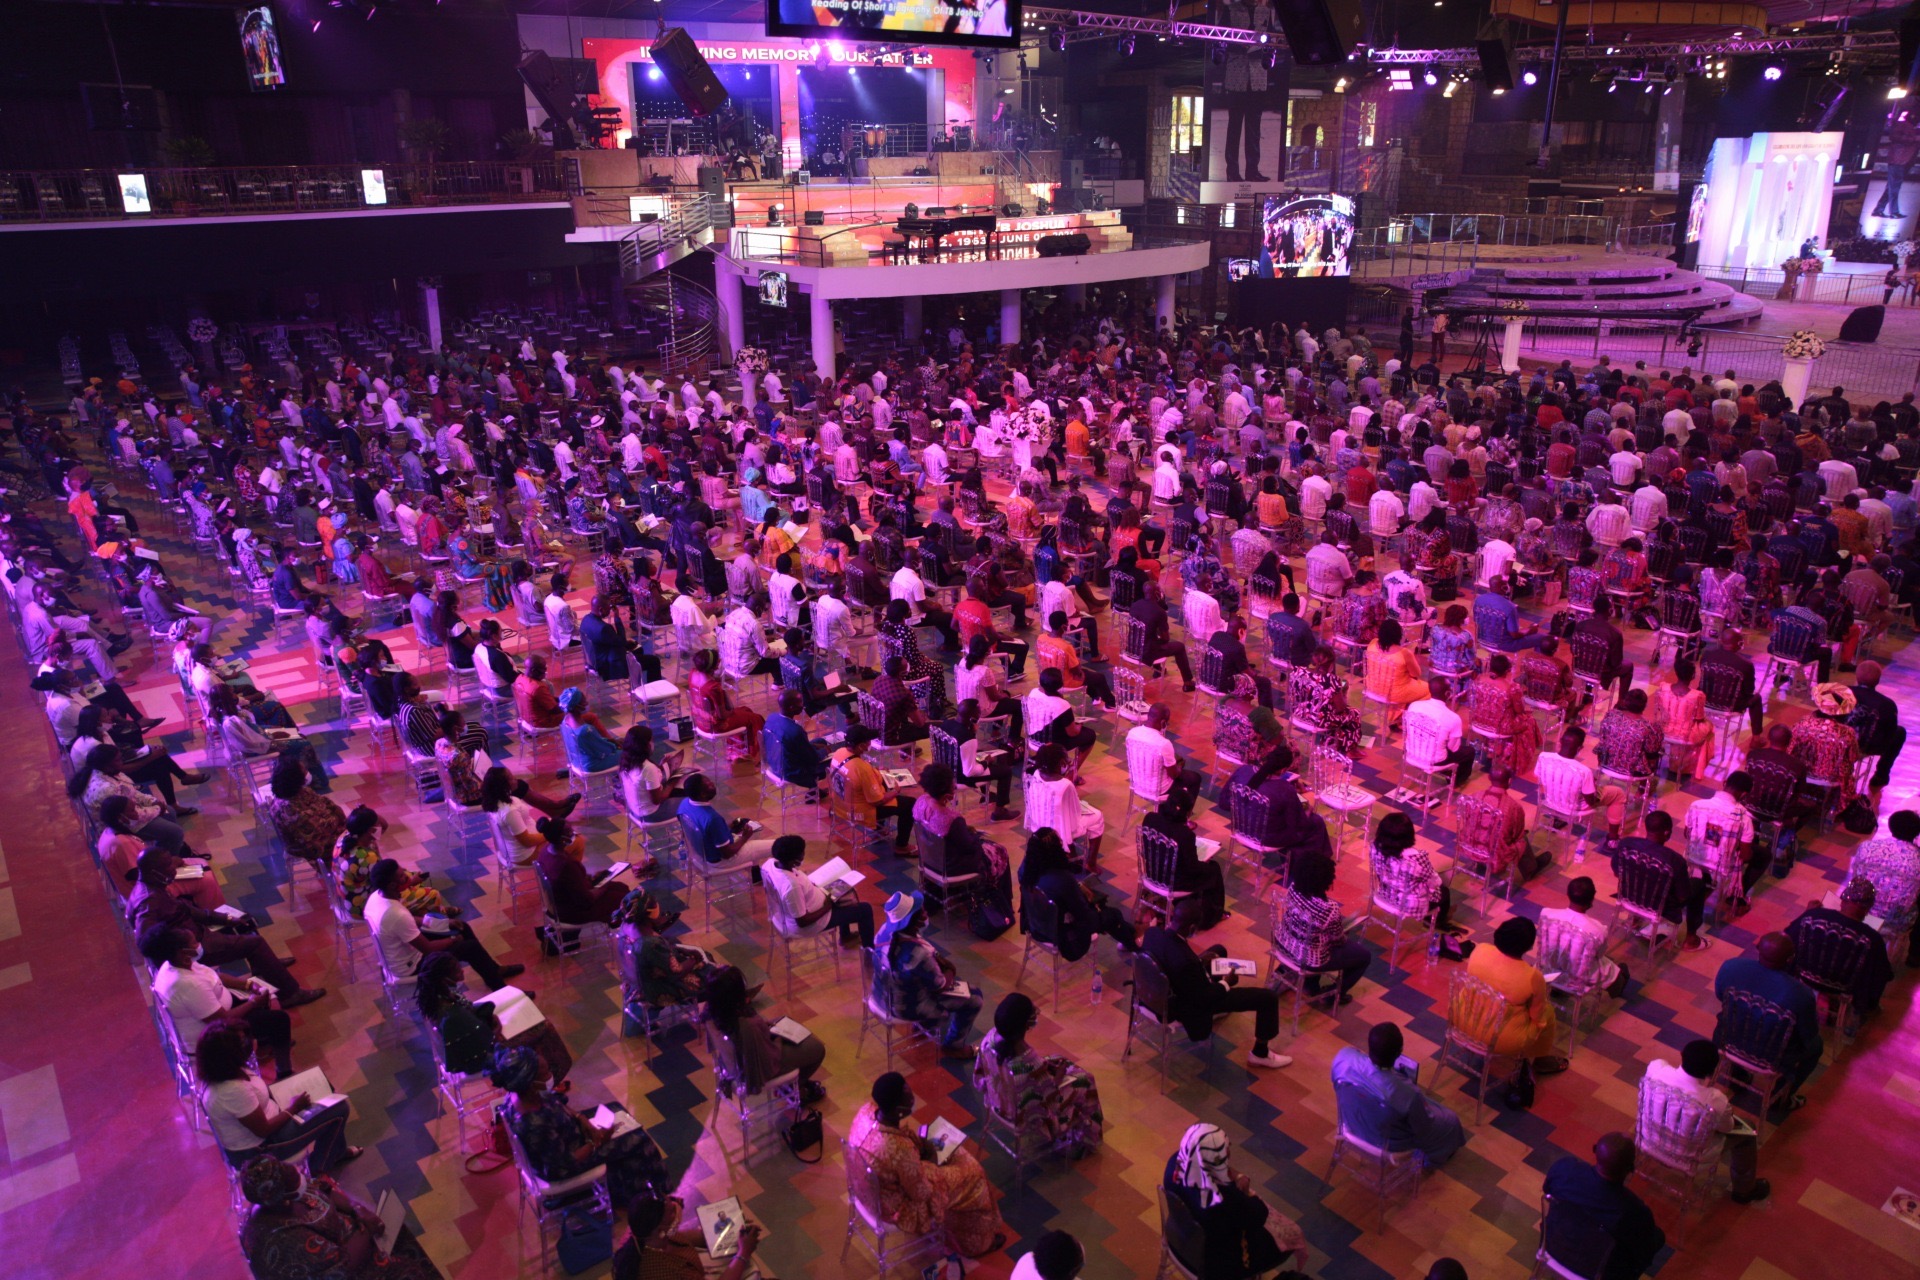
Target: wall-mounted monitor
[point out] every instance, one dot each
(773, 288)
(987, 23)
(373, 185)
(260, 46)
(1306, 236)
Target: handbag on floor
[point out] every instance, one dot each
(586, 1240)
(807, 1132)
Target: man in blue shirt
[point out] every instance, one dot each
(712, 838)
(789, 751)
(1771, 977)
(1497, 620)
(1591, 1208)
(1385, 1109)
(1289, 635)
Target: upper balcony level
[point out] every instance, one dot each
(65, 197)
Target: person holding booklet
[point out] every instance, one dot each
(562, 1143)
(577, 898)
(658, 1249)
(863, 791)
(1081, 914)
(1049, 1100)
(914, 1185)
(912, 980)
(726, 845)
(473, 1031)
(309, 1229)
(249, 1119)
(762, 1050)
(196, 996)
(820, 901)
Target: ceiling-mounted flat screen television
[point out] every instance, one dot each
(986, 23)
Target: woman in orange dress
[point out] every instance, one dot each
(1681, 712)
(714, 710)
(1393, 672)
(906, 1187)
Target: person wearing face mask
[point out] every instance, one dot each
(196, 995)
(247, 1122)
(303, 1227)
(656, 1247)
(911, 1189)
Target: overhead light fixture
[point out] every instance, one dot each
(1613, 86)
(1428, 76)
(1340, 86)
(1772, 73)
(1057, 41)
(1451, 86)
(1528, 77)
(1497, 91)
(1896, 93)
(1126, 46)
(1265, 37)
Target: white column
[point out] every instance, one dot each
(913, 322)
(1163, 302)
(726, 287)
(1009, 317)
(822, 334)
(430, 304)
(1510, 346)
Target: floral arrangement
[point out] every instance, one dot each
(1803, 266)
(1033, 425)
(1804, 344)
(201, 329)
(750, 360)
(1904, 249)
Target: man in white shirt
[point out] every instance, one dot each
(195, 994)
(1314, 492)
(1055, 1256)
(1839, 477)
(563, 629)
(1625, 466)
(1328, 569)
(1609, 522)
(805, 903)
(1201, 612)
(1649, 507)
(1435, 737)
(782, 587)
(1577, 915)
(1166, 478)
(1699, 1059)
(1385, 512)
(1567, 784)
(1153, 767)
(401, 941)
(933, 465)
(1725, 813)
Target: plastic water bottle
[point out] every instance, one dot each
(1099, 986)
(1433, 946)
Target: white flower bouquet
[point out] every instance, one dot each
(750, 360)
(1804, 344)
(201, 329)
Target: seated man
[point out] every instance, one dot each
(1577, 914)
(402, 941)
(723, 845)
(1693, 1077)
(1856, 904)
(1384, 1108)
(1203, 882)
(1592, 1212)
(1769, 974)
(1686, 892)
(1196, 996)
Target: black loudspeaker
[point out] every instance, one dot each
(1909, 69)
(542, 77)
(132, 107)
(1321, 32)
(1496, 61)
(1863, 324)
(713, 181)
(687, 71)
(1063, 246)
(814, 217)
(1012, 210)
(581, 75)
(937, 211)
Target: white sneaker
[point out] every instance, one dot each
(1269, 1059)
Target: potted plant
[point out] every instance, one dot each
(525, 148)
(424, 138)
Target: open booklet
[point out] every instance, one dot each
(899, 779)
(1204, 849)
(392, 1212)
(835, 877)
(313, 1082)
(789, 1030)
(720, 1223)
(612, 872)
(516, 1010)
(945, 1138)
(1226, 965)
(612, 1123)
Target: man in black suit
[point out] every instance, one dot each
(1591, 1206)
(1876, 718)
(1196, 995)
(1151, 611)
(1230, 643)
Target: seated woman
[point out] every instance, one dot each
(1310, 930)
(461, 640)
(303, 1228)
(964, 851)
(1217, 1227)
(911, 1189)
(590, 748)
(914, 981)
(576, 897)
(353, 857)
(101, 776)
(243, 1117)
(1450, 646)
(1405, 876)
(656, 1248)
(1291, 829)
(308, 822)
(800, 671)
(470, 1034)
(654, 970)
(1496, 703)
(1680, 710)
(516, 807)
(244, 741)
(146, 766)
(648, 786)
(206, 673)
(1393, 672)
(562, 1143)
(714, 710)
(197, 996)
(759, 1055)
(1047, 873)
(1203, 882)
(119, 849)
(1052, 1103)
(1529, 1030)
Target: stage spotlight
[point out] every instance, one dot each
(1265, 37)
(1272, 59)
(1896, 93)
(1772, 73)
(316, 26)
(653, 73)
(1126, 46)
(1448, 92)
(1428, 76)
(1058, 40)
(1528, 77)
(1613, 86)
(1340, 86)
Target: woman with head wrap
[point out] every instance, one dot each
(907, 1187)
(302, 1229)
(1216, 1226)
(562, 1143)
(913, 980)
(469, 1033)
(1052, 1103)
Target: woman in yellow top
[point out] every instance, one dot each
(859, 789)
(1393, 671)
(1078, 438)
(1529, 1031)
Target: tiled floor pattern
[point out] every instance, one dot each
(120, 1180)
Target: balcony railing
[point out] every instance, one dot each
(72, 195)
